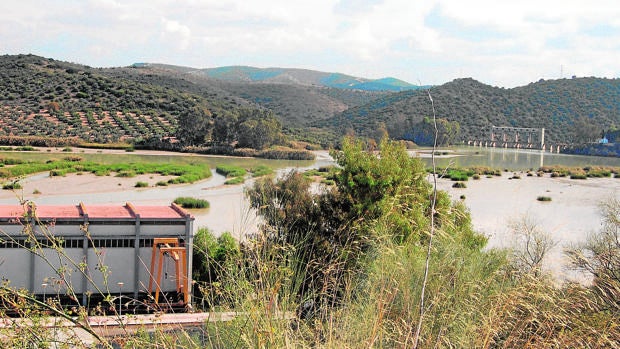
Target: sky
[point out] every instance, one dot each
(498, 42)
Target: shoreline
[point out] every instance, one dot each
(493, 202)
(572, 214)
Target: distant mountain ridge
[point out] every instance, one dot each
(44, 97)
(560, 106)
(304, 77)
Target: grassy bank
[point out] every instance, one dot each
(13, 168)
(379, 259)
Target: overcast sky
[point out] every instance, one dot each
(501, 43)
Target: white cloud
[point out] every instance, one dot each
(499, 42)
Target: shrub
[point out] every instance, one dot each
(261, 170)
(73, 158)
(458, 175)
(230, 171)
(25, 148)
(11, 185)
(126, 174)
(58, 173)
(459, 185)
(67, 149)
(161, 184)
(141, 185)
(236, 180)
(189, 202)
(543, 198)
(285, 153)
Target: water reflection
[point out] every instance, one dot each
(517, 159)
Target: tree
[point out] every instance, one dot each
(599, 256)
(225, 129)
(328, 236)
(194, 126)
(585, 130)
(258, 129)
(532, 245)
(423, 133)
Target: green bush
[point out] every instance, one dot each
(459, 185)
(26, 148)
(230, 171)
(543, 198)
(73, 158)
(58, 173)
(458, 175)
(141, 185)
(261, 170)
(126, 174)
(236, 180)
(189, 202)
(12, 185)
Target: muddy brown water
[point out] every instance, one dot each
(572, 214)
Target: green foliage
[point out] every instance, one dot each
(230, 171)
(141, 184)
(261, 170)
(213, 260)
(285, 153)
(126, 174)
(459, 185)
(556, 105)
(235, 180)
(458, 175)
(12, 185)
(599, 257)
(543, 198)
(189, 202)
(249, 128)
(194, 126)
(331, 236)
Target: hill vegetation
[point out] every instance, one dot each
(303, 77)
(171, 107)
(570, 110)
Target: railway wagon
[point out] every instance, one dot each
(133, 255)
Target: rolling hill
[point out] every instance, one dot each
(44, 97)
(556, 105)
(303, 77)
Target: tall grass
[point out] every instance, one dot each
(188, 173)
(189, 202)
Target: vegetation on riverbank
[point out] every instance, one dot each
(463, 174)
(350, 260)
(347, 264)
(189, 202)
(14, 168)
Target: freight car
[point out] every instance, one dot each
(121, 257)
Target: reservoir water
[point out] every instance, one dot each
(572, 214)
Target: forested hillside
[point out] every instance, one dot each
(167, 106)
(155, 108)
(303, 77)
(570, 110)
(44, 97)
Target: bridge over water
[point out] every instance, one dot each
(515, 137)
